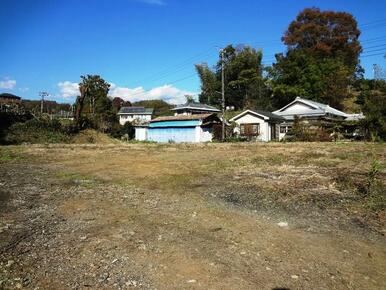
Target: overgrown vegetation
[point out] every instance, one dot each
(305, 132)
(42, 130)
(369, 188)
(375, 189)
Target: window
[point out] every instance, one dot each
(285, 129)
(249, 129)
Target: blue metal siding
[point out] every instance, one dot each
(182, 123)
(174, 134)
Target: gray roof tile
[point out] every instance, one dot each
(136, 110)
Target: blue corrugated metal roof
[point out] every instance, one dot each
(182, 123)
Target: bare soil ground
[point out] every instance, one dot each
(211, 216)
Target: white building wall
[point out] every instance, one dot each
(203, 134)
(123, 118)
(252, 119)
(140, 133)
(298, 108)
(197, 134)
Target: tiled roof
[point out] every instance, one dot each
(136, 110)
(268, 115)
(181, 117)
(318, 109)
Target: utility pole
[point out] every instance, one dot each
(42, 95)
(223, 95)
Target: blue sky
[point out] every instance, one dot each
(148, 48)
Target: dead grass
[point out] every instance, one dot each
(208, 213)
(93, 137)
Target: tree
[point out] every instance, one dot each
(189, 98)
(325, 34)
(322, 58)
(210, 85)
(93, 102)
(373, 103)
(119, 102)
(299, 74)
(161, 108)
(244, 83)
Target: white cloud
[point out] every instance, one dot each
(7, 84)
(153, 2)
(68, 89)
(167, 93)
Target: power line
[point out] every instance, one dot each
(269, 58)
(374, 21)
(374, 26)
(169, 70)
(375, 54)
(374, 50)
(380, 45)
(375, 39)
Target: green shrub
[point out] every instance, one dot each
(119, 131)
(308, 133)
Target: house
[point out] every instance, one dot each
(191, 108)
(310, 111)
(192, 128)
(138, 114)
(257, 125)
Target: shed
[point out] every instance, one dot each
(141, 132)
(183, 128)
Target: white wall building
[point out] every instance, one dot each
(257, 125)
(135, 114)
(309, 111)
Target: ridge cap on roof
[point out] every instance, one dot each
(194, 105)
(131, 110)
(181, 117)
(269, 115)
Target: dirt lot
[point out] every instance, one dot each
(214, 216)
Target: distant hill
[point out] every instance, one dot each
(50, 107)
(9, 96)
(161, 108)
